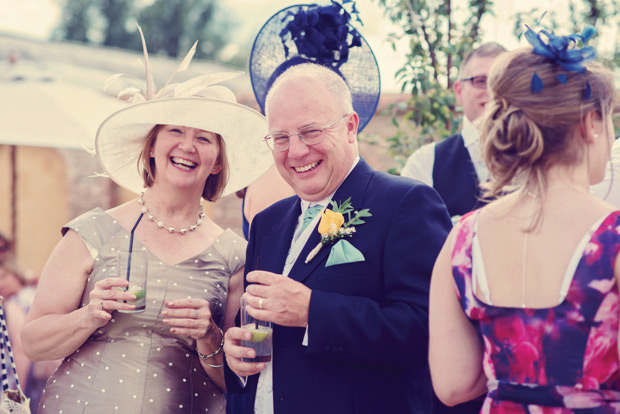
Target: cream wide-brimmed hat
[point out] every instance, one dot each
(196, 103)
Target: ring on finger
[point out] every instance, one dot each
(195, 314)
(260, 303)
(101, 305)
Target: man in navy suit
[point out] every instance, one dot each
(454, 166)
(350, 331)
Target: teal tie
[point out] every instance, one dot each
(309, 215)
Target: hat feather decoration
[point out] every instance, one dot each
(200, 102)
(134, 90)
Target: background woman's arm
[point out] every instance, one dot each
(455, 350)
(235, 290)
(14, 321)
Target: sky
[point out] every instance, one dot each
(37, 18)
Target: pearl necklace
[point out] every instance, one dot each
(161, 224)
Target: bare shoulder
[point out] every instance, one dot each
(125, 214)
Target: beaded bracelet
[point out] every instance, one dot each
(211, 355)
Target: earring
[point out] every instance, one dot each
(151, 154)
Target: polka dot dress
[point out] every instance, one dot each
(134, 364)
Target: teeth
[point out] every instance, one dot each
(307, 167)
(183, 162)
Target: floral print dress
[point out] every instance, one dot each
(557, 360)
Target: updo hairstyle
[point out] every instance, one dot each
(524, 133)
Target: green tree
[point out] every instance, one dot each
(116, 13)
(438, 33)
(170, 26)
(75, 21)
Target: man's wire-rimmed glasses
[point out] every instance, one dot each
(309, 135)
(478, 82)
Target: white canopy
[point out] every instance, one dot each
(54, 114)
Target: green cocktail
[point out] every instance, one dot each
(140, 302)
(132, 266)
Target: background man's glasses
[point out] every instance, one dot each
(310, 135)
(478, 82)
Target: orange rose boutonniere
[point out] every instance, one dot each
(333, 225)
(330, 222)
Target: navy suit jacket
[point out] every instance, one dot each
(368, 321)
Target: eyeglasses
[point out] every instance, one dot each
(309, 135)
(478, 82)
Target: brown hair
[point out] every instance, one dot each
(215, 183)
(524, 133)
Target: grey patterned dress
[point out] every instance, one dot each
(134, 364)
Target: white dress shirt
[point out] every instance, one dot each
(420, 164)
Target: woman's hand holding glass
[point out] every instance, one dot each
(107, 296)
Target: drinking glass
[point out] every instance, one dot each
(133, 266)
(262, 334)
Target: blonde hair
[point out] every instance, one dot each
(524, 133)
(215, 183)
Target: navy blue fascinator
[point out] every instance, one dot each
(310, 33)
(564, 51)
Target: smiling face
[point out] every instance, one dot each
(471, 98)
(184, 157)
(313, 171)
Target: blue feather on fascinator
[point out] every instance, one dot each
(563, 51)
(322, 33)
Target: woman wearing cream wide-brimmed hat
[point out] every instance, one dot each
(186, 142)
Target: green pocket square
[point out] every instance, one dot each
(344, 252)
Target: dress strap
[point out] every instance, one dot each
(576, 258)
(479, 276)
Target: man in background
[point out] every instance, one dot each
(454, 166)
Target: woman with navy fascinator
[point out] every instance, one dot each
(524, 301)
(324, 34)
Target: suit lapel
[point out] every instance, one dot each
(353, 186)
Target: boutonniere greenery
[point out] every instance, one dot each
(336, 224)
